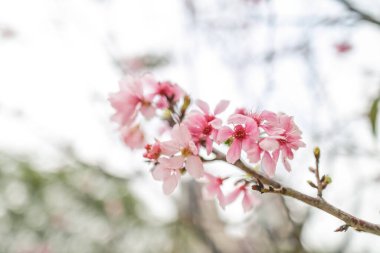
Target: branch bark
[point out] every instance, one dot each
(277, 188)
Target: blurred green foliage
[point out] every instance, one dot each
(76, 208)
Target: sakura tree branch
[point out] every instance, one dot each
(267, 185)
(361, 14)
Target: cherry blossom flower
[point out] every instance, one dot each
(168, 171)
(182, 143)
(131, 99)
(204, 126)
(133, 137)
(249, 200)
(244, 133)
(166, 92)
(213, 189)
(284, 137)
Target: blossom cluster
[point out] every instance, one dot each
(258, 137)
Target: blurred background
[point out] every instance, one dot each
(68, 183)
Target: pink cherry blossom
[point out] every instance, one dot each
(133, 137)
(249, 200)
(213, 189)
(168, 171)
(166, 92)
(130, 99)
(182, 143)
(244, 133)
(204, 125)
(343, 47)
(153, 152)
(284, 137)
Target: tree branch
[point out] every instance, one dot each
(275, 187)
(361, 14)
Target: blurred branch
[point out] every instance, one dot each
(361, 14)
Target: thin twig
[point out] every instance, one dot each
(320, 203)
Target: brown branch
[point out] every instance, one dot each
(320, 203)
(361, 14)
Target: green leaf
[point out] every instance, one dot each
(372, 115)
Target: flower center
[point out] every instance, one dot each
(207, 130)
(186, 152)
(239, 132)
(283, 140)
(209, 117)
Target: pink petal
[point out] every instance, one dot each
(216, 123)
(268, 164)
(208, 145)
(160, 173)
(185, 133)
(248, 201)
(251, 128)
(248, 143)
(203, 106)
(181, 134)
(193, 148)
(267, 115)
(169, 147)
(224, 133)
(238, 119)
(221, 106)
(286, 164)
(254, 153)
(170, 183)
(232, 196)
(221, 198)
(148, 111)
(275, 155)
(234, 152)
(175, 162)
(210, 177)
(194, 166)
(269, 144)
(176, 133)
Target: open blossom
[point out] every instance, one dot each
(204, 125)
(168, 171)
(245, 132)
(166, 92)
(182, 143)
(283, 137)
(133, 137)
(249, 200)
(131, 99)
(213, 188)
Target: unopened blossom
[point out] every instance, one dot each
(182, 143)
(152, 152)
(131, 99)
(133, 137)
(343, 47)
(167, 93)
(204, 125)
(213, 188)
(249, 200)
(168, 171)
(245, 132)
